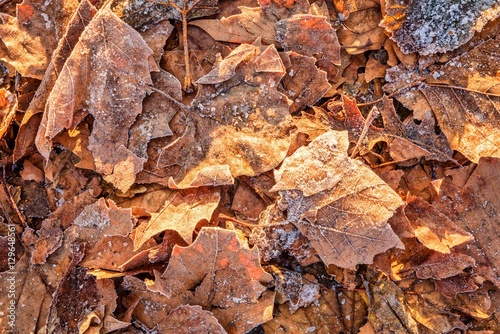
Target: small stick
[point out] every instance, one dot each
(369, 119)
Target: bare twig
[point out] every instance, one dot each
(369, 119)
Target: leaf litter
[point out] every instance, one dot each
(250, 167)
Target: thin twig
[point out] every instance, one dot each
(11, 200)
(369, 119)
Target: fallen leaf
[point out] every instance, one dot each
(429, 27)
(334, 203)
(225, 136)
(304, 84)
(32, 36)
(434, 229)
(311, 36)
(439, 266)
(324, 316)
(187, 319)
(388, 310)
(252, 23)
(222, 275)
(113, 106)
(8, 105)
(181, 212)
(32, 118)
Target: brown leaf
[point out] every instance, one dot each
(222, 275)
(112, 92)
(361, 31)
(339, 201)
(439, 266)
(311, 36)
(181, 212)
(326, 316)
(303, 83)
(416, 27)
(31, 120)
(388, 310)
(187, 319)
(225, 136)
(434, 229)
(252, 23)
(33, 35)
(463, 95)
(8, 106)
(69, 303)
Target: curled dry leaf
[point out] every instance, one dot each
(105, 76)
(189, 319)
(431, 26)
(239, 125)
(439, 266)
(221, 274)
(340, 205)
(406, 140)
(181, 212)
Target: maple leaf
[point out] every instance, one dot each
(224, 135)
(432, 26)
(181, 212)
(107, 77)
(221, 274)
(338, 202)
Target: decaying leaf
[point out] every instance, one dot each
(303, 83)
(182, 211)
(432, 26)
(239, 125)
(32, 36)
(312, 36)
(388, 310)
(107, 80)
(327, 315)
(220, 274)
(340, 205)
(187, 319)
(253, 23)
(434, 229)
(462, 94)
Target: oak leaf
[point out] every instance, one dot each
(340, 205)
(105, 76)
(462, 94)
(221, 274)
